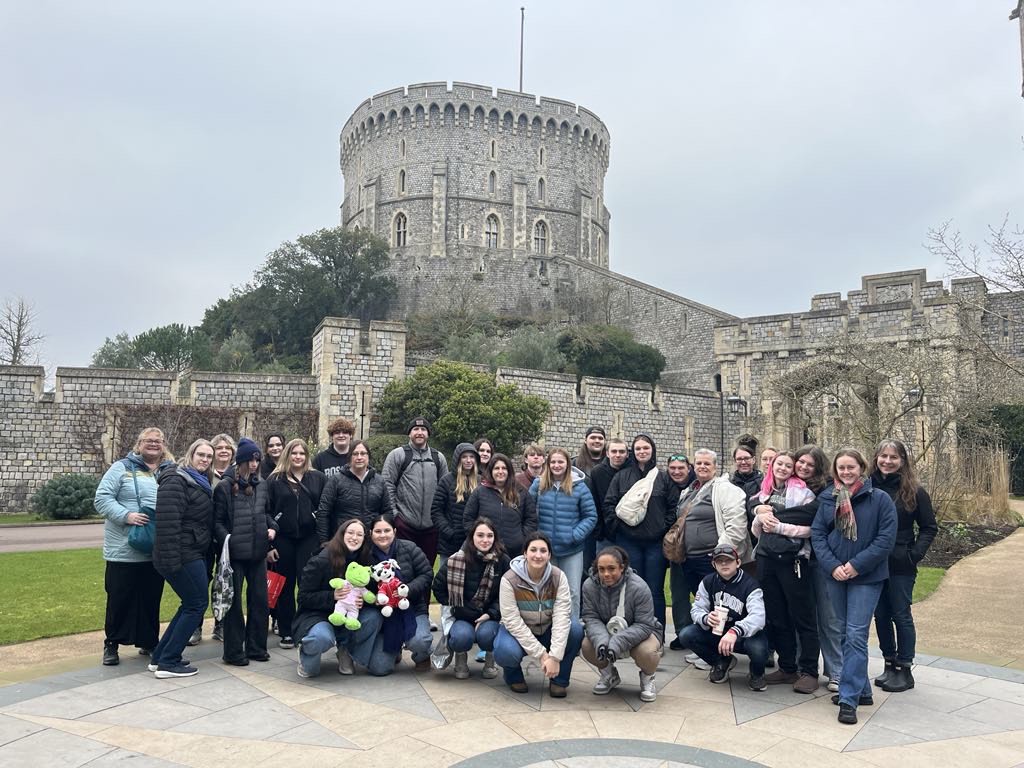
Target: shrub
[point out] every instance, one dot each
(381, 445)
(66, 497)
(463, 404)
(610, 352)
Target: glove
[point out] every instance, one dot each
(602, 652)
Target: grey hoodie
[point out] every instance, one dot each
(529, 607)
(600, 603)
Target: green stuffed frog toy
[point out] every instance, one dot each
(346, 614)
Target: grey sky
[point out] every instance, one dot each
(153, 154)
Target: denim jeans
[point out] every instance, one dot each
(647, 559)
(323, 636)
(830, 630)
(680, 597)
(704, 643)
(572, 567)
(463, 634)
(855, 605)
(508, 654)
(382, 663)
(894, 609)
(189, 583)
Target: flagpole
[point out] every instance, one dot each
(522, 27)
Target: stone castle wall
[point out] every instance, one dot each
(93, 415)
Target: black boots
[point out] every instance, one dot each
(110, 657)
(882, 679)
(900, 680)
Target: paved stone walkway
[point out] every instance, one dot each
(961, 713)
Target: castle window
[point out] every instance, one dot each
(540, 189)
(600, 245)
(542, 269)
(463, 232)
(401, 229)
(491, 232)
(401, 148)
(492, 182)
(401, 182)
(540, 237)
(494, 149)
(540, 157)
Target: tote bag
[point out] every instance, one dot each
(632, 508)
(223, 583)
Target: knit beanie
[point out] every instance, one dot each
(246, 451)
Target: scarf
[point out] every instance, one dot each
(846, 522)
(400, 626)
(457, 580)
(247, 482)
(199, 477)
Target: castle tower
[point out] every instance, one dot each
(468, 179)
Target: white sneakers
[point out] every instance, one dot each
(697, 661)
(648, 691)
(607, 679)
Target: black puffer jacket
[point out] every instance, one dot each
(513, 523)
(294, 513)
(414, 571)
(242, 517)
(660, 512)
(184, 521)
(345, 496)
(474, 573)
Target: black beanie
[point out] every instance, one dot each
(246, 451)
(419, 421)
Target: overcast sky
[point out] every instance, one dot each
(152, 154)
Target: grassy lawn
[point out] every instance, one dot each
(30, 518)
(48, 594)
(927, 582)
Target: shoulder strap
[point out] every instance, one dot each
(622, 599)
(434, 457)
(129, 468)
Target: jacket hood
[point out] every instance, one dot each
(136, 460)
(518, 566)
(460, 449)
(653, 461)
(578, 476)
(347, 470)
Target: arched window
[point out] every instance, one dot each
(491, 232)
(494, 149)
(541, 156)
(492, 182)
(401, 182)
(540, 237)
(600, 245)
(401, 230)
(401, 148)
(540, 189)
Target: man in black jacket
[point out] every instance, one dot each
(616, 453)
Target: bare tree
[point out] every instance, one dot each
(19, 335)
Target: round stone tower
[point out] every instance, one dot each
(468, 179)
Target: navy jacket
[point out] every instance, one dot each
(876, 534)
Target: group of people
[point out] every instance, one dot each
(567, 555)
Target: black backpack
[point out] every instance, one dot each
(434, 457)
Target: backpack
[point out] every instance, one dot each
(407, 461)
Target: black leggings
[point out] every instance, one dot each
(294, 554)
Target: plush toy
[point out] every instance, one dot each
(345, 612)
(391, 592)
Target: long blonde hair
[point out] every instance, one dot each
(547, 480)
(283, 468)
(465, 483)
(186, 460)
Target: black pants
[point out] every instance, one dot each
(247, 637)
(133, 604)
(294, 554)
(790, 609)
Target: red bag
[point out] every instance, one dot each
(275, 586)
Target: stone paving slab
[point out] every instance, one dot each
(264, 714)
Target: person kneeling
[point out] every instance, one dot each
(618, 617)
(735, 595)
(536, 619)
(318, 599)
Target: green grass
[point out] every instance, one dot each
(31, 518)
(48, 594)
(927, 582)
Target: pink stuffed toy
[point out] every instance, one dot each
(391, 592)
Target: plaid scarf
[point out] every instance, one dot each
(846, 522)
(457, 580)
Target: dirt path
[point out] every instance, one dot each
(977, 613)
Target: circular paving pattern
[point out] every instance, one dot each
(604, 753)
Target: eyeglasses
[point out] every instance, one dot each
(153, 442)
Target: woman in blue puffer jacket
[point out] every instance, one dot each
(853, 534)
(566, 514)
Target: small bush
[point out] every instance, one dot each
(381, 445)
(66, 497)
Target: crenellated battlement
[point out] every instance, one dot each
(475, 107)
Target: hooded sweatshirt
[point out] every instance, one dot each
(530, 608)
(600, 603)
(660, 513)
(446, 511)
(566, 519)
